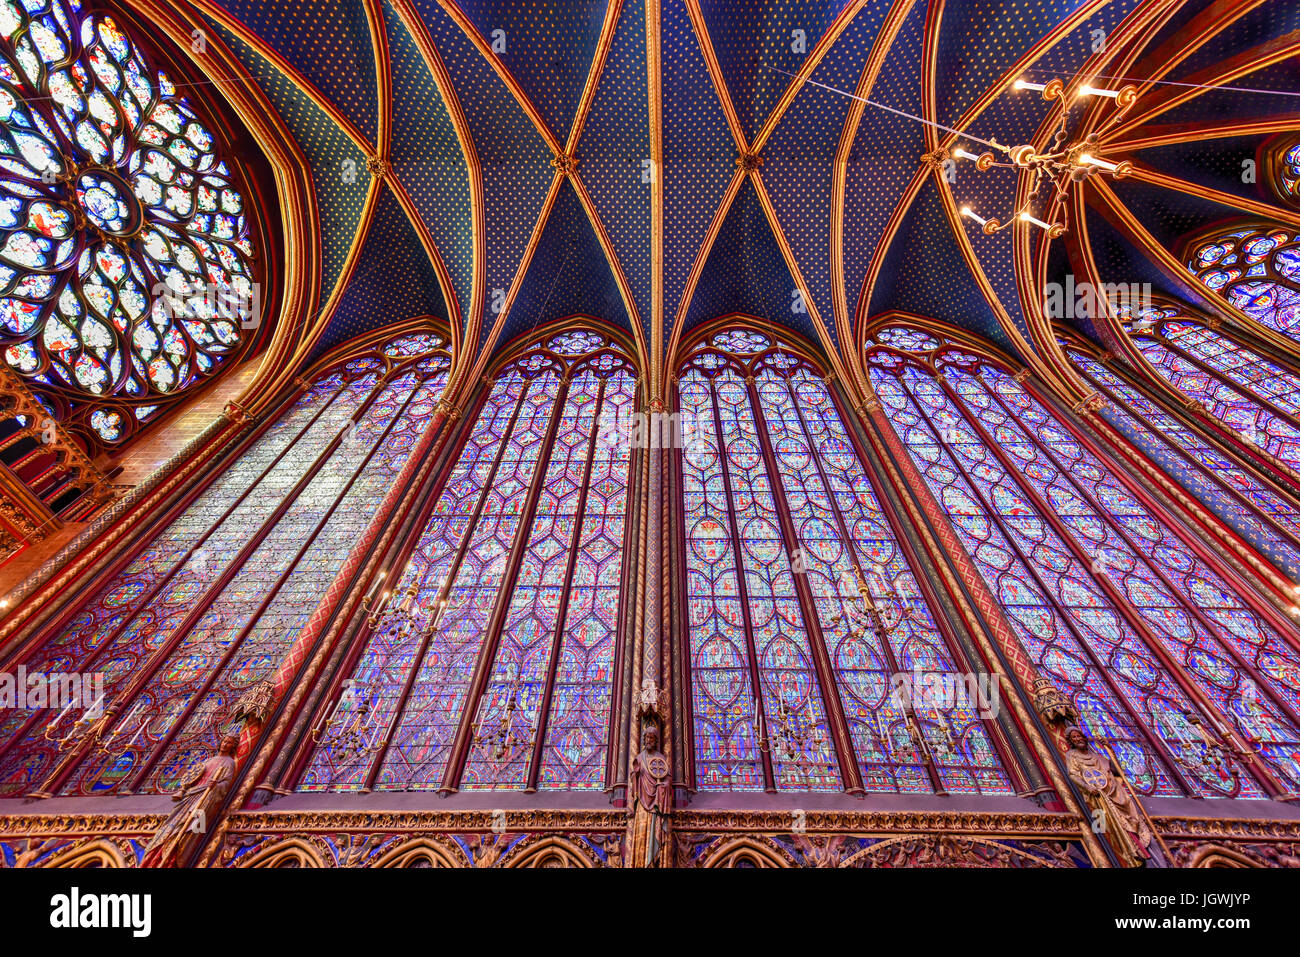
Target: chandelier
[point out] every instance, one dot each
(797, 735)
(1065, 163)
(497, 735)
(352, 728)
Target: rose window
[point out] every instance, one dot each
(126, 260)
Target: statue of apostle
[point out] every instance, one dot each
(650, 787)
(199, 800)
(1113, 804)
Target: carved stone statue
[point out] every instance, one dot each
(650, 787)
(1112, 802)
(199, 800)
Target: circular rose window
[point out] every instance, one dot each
(126, 263)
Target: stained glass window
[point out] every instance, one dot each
(127, 266)
(1126, 617)
(1288, 172)
(1255, 397)
(1253, 506)
(211, 604)
(783, 528)
(501, 677)
(1256, 269)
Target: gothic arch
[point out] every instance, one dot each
(791, 341)
(1216, 855)
(99, 853)
(1234, 262)
(420, 852)
(746, 852)
(945, 850)
(292, 853)
(548, 852)
(793, 686)
(1024, 487)
(493, 569)
(291, 502)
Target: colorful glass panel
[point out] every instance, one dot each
(1256, 269)
(1255, 397)
(1142, 609)
(751, 528)
(126, 252)
(535, 502)
(1210, 475)
(211, 604)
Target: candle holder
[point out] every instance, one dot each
(1064, 164)
(797, 734)
(497, 736)
(351, 729)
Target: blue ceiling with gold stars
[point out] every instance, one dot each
(660, 163)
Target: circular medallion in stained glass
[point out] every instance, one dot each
(108, 203)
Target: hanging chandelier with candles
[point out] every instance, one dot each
(1065, 163)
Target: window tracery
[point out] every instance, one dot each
(1123, 615)
(209, 606)
(502, 676)
(127, 264)
(780, 520)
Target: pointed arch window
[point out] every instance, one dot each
(502, 678)
(1257, 269)
(1255, 397)
(780, 518)
(1261, 511)
(212, 602)
(1282, 162)
(1124, 615)
(128, 267)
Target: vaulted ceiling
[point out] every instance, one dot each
(659, 164)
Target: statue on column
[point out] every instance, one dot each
(1114, 804)
(651, 791)
(199, 800)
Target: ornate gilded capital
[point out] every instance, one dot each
(1051, 702)
(448, 409)
(237, 414)
(1021, 375)
(1089, 404)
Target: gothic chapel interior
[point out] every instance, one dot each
(649, 433)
